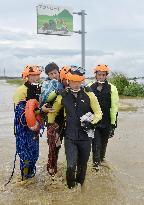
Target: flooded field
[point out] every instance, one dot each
(120, 180)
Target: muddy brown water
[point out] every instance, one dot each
(119, 181)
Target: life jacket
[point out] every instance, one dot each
(104, 98)
(75, 107)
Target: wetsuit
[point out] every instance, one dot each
(27, 141)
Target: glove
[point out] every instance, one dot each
(111, 130)
(87, 126)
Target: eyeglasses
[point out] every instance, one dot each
(77, 70)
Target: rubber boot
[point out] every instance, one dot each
(96, 157)
(70, 177)
(103, 152)
(25, 171)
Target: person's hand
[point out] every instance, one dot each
(111, 130)
(44, 108)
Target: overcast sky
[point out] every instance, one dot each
(115, 36)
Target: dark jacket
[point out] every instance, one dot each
(76, 107)
(108, 100)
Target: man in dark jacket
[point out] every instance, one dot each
(107, 95)
(76, 102)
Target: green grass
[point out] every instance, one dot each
(15, 81)
(129, 97)
(128, 109)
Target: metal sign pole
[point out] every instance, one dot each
(37, 18)
(82, 32)
(83, 38)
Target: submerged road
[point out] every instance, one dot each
(119, 181)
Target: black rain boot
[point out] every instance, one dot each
(103, 152)
(70, 177)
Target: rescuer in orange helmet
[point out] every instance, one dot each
(76, 102)
(107, 95)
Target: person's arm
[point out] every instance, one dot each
(56, 107)
(97, 116)
(114, 104)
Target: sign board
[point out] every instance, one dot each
(54, 20)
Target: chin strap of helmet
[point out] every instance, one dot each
(101, 82)
(75, 90)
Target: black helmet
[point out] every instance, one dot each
(50, 67)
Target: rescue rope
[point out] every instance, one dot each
(12, 171)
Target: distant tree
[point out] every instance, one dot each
(134, 89)
(120, 81)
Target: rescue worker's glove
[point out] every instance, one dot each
(87, 126)
(46, 108)
(111, 130)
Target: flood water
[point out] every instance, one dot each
(120, 180)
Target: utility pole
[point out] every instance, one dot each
(82, 32)
(4, 73)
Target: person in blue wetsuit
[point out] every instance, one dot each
(27, 140)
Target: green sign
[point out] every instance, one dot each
(54, 20)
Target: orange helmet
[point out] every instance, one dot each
(102, 67)
(75, 73)
(63, 72)
(31, 70)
